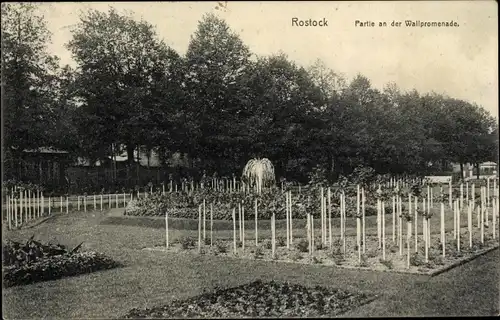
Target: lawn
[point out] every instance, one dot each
(149, 279)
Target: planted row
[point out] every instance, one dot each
(33, 261)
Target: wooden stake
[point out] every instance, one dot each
(256, 224)
(363, 200)
(329, 195)
(416, 224)
(469, 222)
(199, 228)
(166, 228)
(450, 195)
(358, 237)
(482, 223)
(291, 216)
(312, 233)
(50, 205)
(116, 198)
(487, 196)
(61, 204)
(211, 223)
(308, 230)
(344, 213)
(79, 202)
(204, 220)
(341, 216)
(234, 230)
(67, 205)
(408, 240)
(239, 221)
(15, 212)
(287, 222)
(95, 203)
(379, 233)
(322, 217)
(461, 196)
(383, 230)
(458, 227)
(473, 196)
(494, 218)
(243, 227)
(273, 236)
(455, 214)
(393, 219)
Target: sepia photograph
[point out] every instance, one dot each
(245, 159)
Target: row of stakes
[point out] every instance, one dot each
(28, 205)
(411, 215)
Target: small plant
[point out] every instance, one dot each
(364, 261)
(315, 260)
(259, 252)
(239, 244)
(416, 260)
(372, 254)
(268, 244)
(318, 244)
(393, 248)
(438, 260)
(187, 242)
(296, 256)
(281, 241)
(221, 247)
(387, 263)
(207, 241)
(302, 245)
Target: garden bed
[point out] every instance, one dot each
(33, 261)
(371, 259)
(260, 299)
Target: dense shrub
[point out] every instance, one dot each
(34, 261)
(186, 205)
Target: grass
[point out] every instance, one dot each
(154, 278)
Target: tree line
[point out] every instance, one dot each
(219, 103)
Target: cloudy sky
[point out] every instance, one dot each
(461, 62)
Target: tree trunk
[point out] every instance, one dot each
(461, 171)
(477, 170)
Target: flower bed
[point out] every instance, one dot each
(371, 259)
(184, 205)
(259, 299)
(34, 261)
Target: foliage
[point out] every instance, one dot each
(34, 261)
(302, 245)
(258, 299)
(219, 106)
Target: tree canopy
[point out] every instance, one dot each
(220, 103)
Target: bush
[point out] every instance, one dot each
(221, 247)
(296, 256)
(187, 242)
(387, 263)
(416, 260)
(34, 261)
(364, 261)
(268, 244)
(259, 252)
(302, 245)
(281, 241)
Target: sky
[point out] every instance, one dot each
(461, 62)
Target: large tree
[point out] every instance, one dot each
(28, 80)
(128, 81)
(216, 65)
